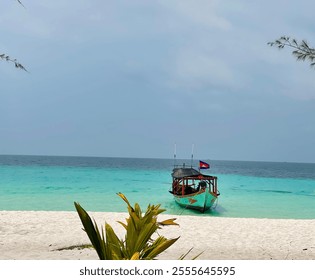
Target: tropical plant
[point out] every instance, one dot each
(302, 51)
(138, 242)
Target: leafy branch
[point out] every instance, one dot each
(302, 51)
(13, 60)
(20, 3)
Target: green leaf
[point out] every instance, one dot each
(91, 230)
(161, 248)
(135, 256)
(169, 222)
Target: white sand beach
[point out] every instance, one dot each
(38, 235)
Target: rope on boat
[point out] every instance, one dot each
(185, 208)
(216, 204)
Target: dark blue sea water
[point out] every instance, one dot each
(248, 189)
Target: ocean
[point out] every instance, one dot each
(248, 189)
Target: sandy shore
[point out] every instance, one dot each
(38, 235)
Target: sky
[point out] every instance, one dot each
(132, 78)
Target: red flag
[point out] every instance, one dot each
(203, 165)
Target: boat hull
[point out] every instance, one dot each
(201, 201)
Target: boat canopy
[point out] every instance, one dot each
(184, 172)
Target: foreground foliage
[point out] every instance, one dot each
(138, 243)
(301, 50)
(13, 60)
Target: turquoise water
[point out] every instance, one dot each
(248, 189)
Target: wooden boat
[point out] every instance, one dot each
(192, 189)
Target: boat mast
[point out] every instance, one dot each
(174, 155)
(192, 155)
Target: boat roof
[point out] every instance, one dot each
(181, 172)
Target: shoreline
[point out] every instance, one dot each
(39, 235)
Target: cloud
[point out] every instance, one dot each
(299, 87)
(197, 70)
(204, 14)
(166, 64)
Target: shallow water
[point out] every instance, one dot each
(248, 189)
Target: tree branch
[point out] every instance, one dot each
(13, 60)
(16, 63)
(20, 3)
(302, 51)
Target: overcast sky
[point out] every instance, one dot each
(131, 78)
